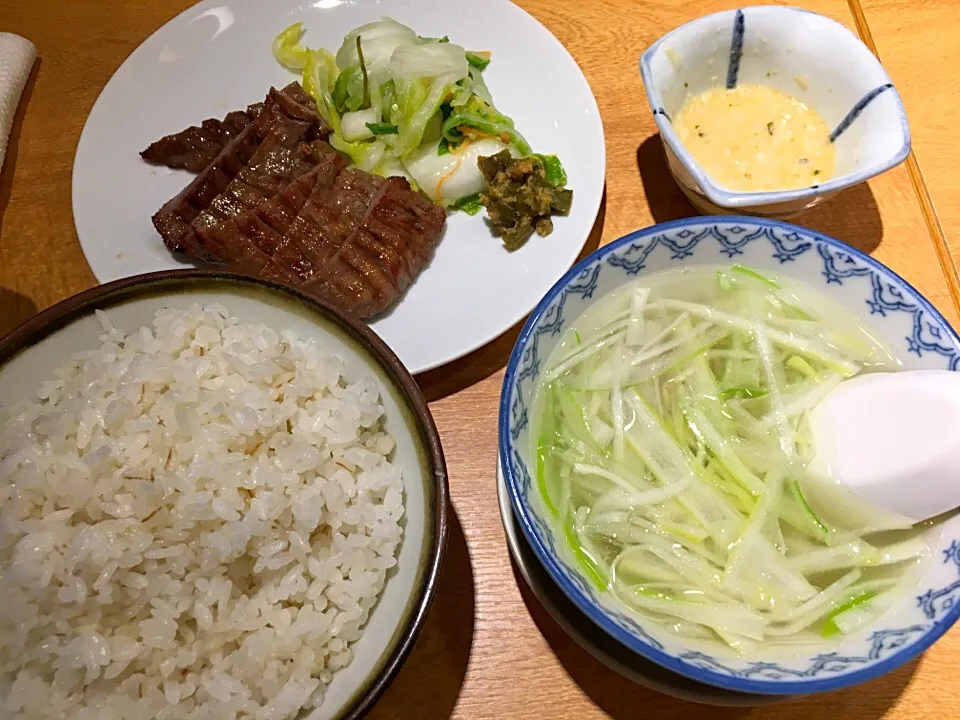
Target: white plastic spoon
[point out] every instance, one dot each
(893, 439)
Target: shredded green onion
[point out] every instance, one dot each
(672, 453)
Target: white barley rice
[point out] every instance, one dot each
(196, 520)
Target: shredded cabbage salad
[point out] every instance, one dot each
(401, 104)
(672, 451)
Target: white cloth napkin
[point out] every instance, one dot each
(16, 58)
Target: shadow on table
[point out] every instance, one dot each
(621, 698)
(15, 309)
(10, 161)
(429, 683)
(483, 362)
(852, 215)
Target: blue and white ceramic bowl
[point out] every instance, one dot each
(806, 55)
(916, 331)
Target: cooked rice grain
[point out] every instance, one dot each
(196, 520)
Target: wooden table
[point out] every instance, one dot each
(488, 650)
(915, 40)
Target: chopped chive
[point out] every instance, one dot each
(379, 128)
(544, 448)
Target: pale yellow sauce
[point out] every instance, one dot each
(754, 138)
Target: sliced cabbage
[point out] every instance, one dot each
(414, 62)
(355, 126)
(287, 48)
(378, 41)
(417, 102)
(398, 103)
(448, 178)
(319, 78)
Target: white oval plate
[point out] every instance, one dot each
(216, 57)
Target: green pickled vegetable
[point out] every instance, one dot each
(553, 170)
(520, 199)
(478, 60)
(471, 204)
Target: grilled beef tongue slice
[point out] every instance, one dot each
(280, 127)
(197, 146)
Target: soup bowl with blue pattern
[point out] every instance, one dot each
(805, 55)
(916, 333)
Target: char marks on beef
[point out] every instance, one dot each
(262, 158)
(276, 202)
(261, 230)
(388, 248)
(356, 241)
(197, 146)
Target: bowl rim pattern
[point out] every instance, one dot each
(777, 680)
(165, 282)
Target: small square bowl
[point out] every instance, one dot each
(808, 56)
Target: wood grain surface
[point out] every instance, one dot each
(488, 649)
(916, 42)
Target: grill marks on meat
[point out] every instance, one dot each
(197, 146)
(270, 170)
(393, 241)
(279, 160)
(173, 220)
(256, 234)
(356, 241)
(277, 203)
(212, 197)
(331, 217)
